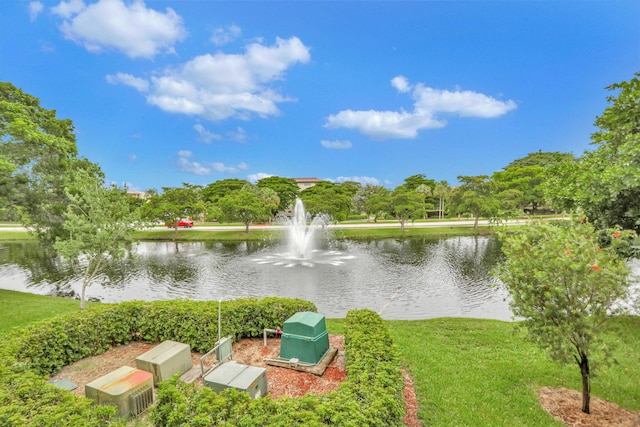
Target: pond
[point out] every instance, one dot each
(414, 278)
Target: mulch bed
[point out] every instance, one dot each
(251, 351)
(563, 404)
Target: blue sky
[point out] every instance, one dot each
(166, 92)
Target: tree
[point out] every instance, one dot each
(426, 191)
(372, 200)
(174, 203)
(286, 189)
(414, 181)
(564, 283)
(268, 197)
(327, 198)
(99, 223)
(218, 189)
(442, 190)
(475, 196)
(526, 176)
(243, 205)
(38, 150)
(406, 204)
(604, 183)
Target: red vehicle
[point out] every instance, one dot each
(184, 222)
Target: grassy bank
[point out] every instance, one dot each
(195, 235)
(263, 234)
(466, 371)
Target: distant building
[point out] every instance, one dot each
(304, 183)
(138, 194)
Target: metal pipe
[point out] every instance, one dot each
(278, 332)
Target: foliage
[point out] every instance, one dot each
(371, 395)
(327, 198)
(173, 204)
(415, 181)
(543, 159)
(406, 204)
(476, 196)
(269, 198)
(604, 183)
(245, 206)
(99, 224)
(215, 191)
(38, 150)
(565, 285)
(442, 191)
(286, 189)
(372, 200)
(45, 347)
(455, 363)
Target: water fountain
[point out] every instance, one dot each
(303, 233)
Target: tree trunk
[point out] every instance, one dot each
(246, 227)
(475, 224)
(82, 294)
(586, 388)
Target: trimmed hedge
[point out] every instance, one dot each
(371, 395)
(29, 356)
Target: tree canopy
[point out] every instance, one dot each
(604, 183)
(327, 198)
(476, 195)
(286, 189)
(173, 204)
(37, 151)
(99, 223)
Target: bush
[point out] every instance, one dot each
(370, 396)
(30, 355)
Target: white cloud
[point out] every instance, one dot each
(187, 165)
(255, 177)
(225, 35)
(221, 86)
(401, 83)
(429, 105)
(35, 7)
(205, 135)
(133, 29)
(337, 144)
(66, 9)
(239, 135)
(364, 180)
(141, 85)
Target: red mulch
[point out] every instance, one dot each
(280, 381)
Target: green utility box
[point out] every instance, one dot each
(127, 388)
(304, 337)
(165, 359)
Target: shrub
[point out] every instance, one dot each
(29, 355)
(370, 396)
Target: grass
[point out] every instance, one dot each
(260, 233)
(467, 372)
(479, 372)
(18, 309)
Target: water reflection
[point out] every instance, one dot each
(400, 278)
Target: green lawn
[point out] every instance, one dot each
(260, 233)
(467, 372)
(18, 309)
